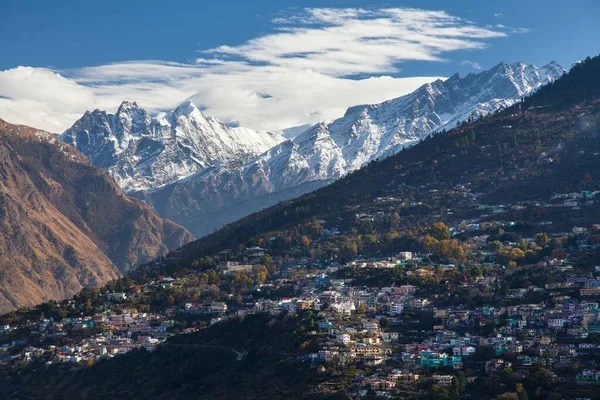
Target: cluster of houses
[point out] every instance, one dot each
(372, 327)
(115, 333)
(519, 337)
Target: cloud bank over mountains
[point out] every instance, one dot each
(312, 66)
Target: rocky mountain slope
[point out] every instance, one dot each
(327, 151)
(65, 224)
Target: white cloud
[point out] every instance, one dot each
(498, 15)
(511, 29)
(42, 98)
(474, 65)
(307, 66)
(519, 30)
(354, 41)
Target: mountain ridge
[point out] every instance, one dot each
(329, 150)
(65, 223)
(547, 145)
(143, 152)
(186, 181)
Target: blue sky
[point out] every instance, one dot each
(94, 54)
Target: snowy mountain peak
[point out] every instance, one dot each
(497, 67)
(554, 64)
(143, 153)
(552, 70)
(518, 64)
(187, 108)
(127, 107)
(454, 78)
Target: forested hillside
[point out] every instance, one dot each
(249, 359)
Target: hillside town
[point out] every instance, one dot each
(426, 290)
(401, 323)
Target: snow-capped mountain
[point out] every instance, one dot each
(144, 153)
(368, 132)
(203, 174)
(329, 150)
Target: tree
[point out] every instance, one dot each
(170, 300)
(304, 241)
(261, 274)
(135, 289)
(370, 243)
(395, 222)
(507, 396)
(349, 250)
(430, 244)
(476, 271)
(213, 278)
(507, 374)
(510, 254)
(521, 392)
(542, 239)
(204, 278)
(439, 230)
(559, 254)
(268, 259)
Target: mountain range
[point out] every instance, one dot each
(509, 166)
(65, 224)
(203, 174)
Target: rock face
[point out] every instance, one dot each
(220, 189)
(65, 224)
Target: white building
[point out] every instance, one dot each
(116, 296)
(389, 336)
(463, 350)
(370, 325)
(344, 338)
(556, 322)
(407, 289)
(343, 307)
(396, 308)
